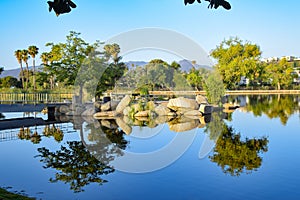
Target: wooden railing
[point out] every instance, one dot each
(34, 98)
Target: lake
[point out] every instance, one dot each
(248, 153)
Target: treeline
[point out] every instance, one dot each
(97, 68)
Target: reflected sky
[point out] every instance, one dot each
(187, 178)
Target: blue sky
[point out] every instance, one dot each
(271, 24)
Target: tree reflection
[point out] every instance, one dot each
(235, 156)
(75, 166)
(281, 106)
(106, 143)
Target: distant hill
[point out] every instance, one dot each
(15, 72)
(186, 66)
(10, 72)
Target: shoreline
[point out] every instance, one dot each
(228, 92)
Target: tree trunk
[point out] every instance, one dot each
(27, 76)
(278, 86)
(80, 93)
(34, 84)
(22, 75)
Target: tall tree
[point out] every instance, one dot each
(18, 55)
(33, 51)
(25, 58)
(112, 51)
(280, 73)
(236, 59)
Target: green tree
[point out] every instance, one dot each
(9, 81)
(25, 57)
(112, 51)
(18, 55)
(48, 73)
(280, 73)
(196, 78)
(33, 51)
(214, 87)
(236, 59)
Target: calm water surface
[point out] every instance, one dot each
(256, 155)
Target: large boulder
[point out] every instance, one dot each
(89, 112)
(97, 106)
(201, 100)
(161, 119)
(125, 127)
(64, 109)
(123, 104)
(105, 107)
(206, 109)
(182, 104)
(162, 110)
(114, 104)
(126, 111)
(183, 124)
(110, 124)
(109, 114)
(142, 114)
(193, 113)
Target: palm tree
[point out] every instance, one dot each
(25, 58)
(18, 54)
(46, 57)
(33, 51)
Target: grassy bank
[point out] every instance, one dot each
(5, 195)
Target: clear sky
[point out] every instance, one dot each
(273, 25)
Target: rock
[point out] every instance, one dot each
(137, 107)
(126, 111)
(105, 114)
(127, 120)
(193, 113)
(108, 124)
(70, 113)
(105, 107)
(182, 104)
(183, 124)
(142, 119)
(89, 112)
(123, 104)
(88, 119)
(206, 109)
(114, 104)
(79, 110)
(161, 120)
(142, 114)
(97, 106)
(152, 124)
(162, 110)
(202, 100)
(126, 128)
(64, 109)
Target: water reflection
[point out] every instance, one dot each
(273, 106)
(79, 164)
(75, 166)
(236, 156)
(36, 138)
